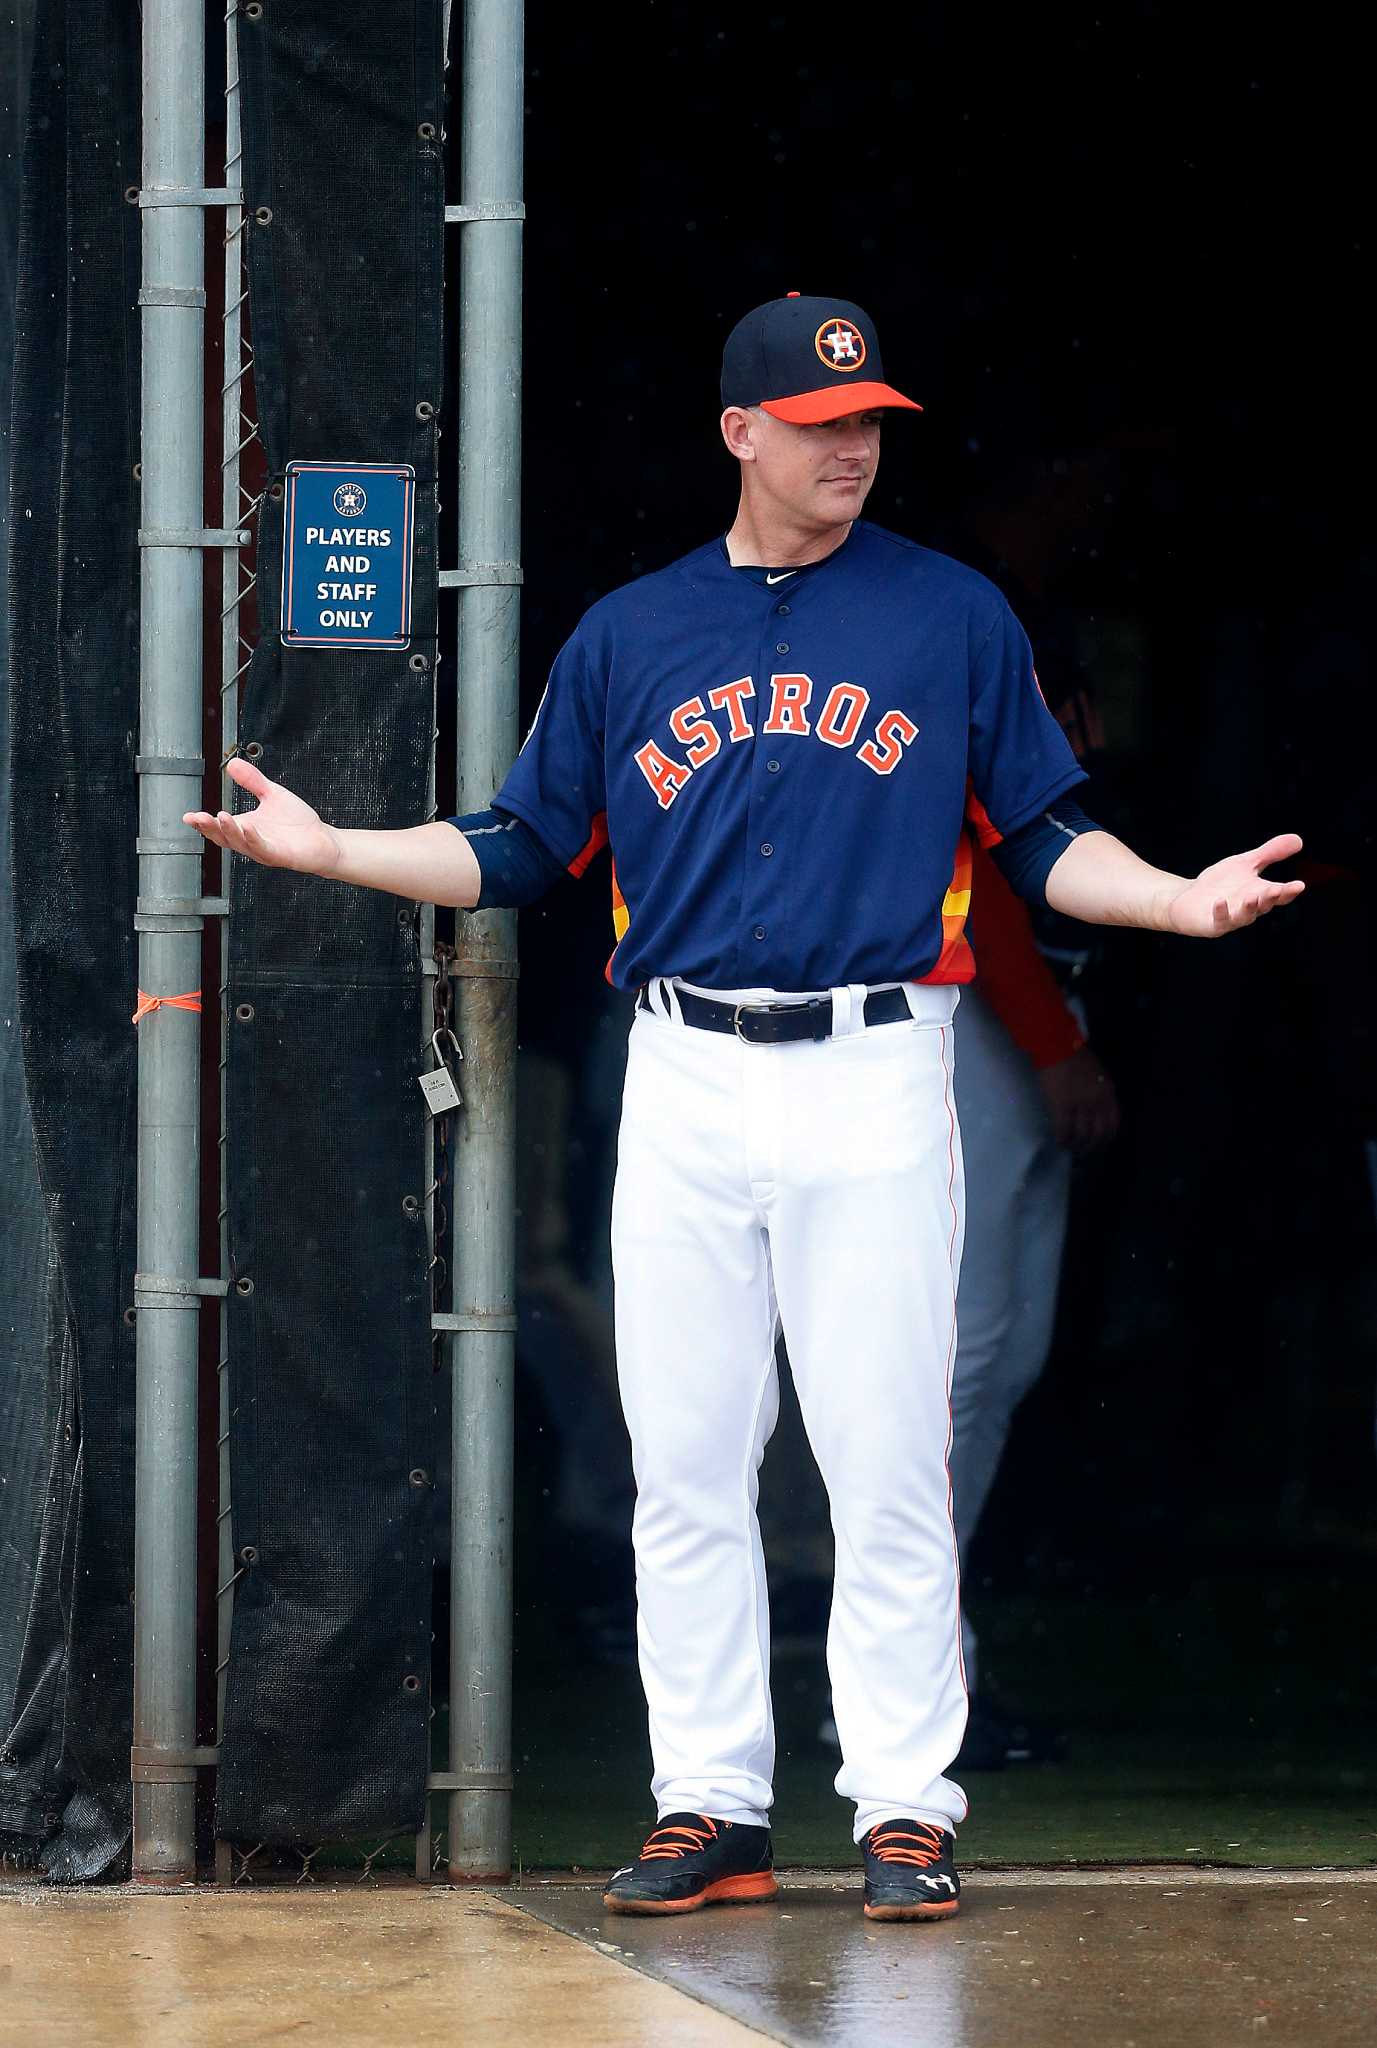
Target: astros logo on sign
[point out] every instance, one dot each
(350, 500)
(840, 344)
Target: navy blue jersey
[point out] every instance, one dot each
(783, 763)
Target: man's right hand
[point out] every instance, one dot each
(283, 832)
(1081, 1102)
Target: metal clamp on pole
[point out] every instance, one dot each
(491, 209)
(485, 969)
(190, 297)
(194, 537)
(170, 764)
(481, 575)
(156, 908)
(187, 846)
(469, 1781)
(475, 1324)
(155, 1766)
(188, 195)
(163, 1290)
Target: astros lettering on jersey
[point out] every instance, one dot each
(778, 760)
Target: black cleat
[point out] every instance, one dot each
(690, 1860)
(910, 1873)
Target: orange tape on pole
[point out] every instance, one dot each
(148, 1004)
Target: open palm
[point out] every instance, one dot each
(283, 832)
(1235, 892)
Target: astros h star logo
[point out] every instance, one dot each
(840, 344)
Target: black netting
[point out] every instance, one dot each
(64, 1764)
(26, 1431)
(332, 1430)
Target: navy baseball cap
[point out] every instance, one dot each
(807, 360)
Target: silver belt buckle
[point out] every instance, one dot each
(736, 1023)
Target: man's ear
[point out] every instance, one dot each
(738, 431)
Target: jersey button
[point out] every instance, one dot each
(783, 610)
(767, 849)
(759, 932)
(772, 767)
(781, 647)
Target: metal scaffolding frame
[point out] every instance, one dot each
(479, 1332)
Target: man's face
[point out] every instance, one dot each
(818, 475)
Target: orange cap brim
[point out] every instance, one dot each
(835, 401)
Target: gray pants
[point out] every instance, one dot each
(1017, 1188)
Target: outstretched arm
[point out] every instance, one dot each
(425, 863)
(1101, 881)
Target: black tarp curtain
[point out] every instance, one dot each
(332, 1434)
(332, 1430)
(74, 683)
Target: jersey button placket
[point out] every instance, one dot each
(757, 902)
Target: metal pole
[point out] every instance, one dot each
(480, 1839)
(173, 518)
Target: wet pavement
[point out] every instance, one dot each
(1125, 1959)
(355, 1966)
(1139, 1960)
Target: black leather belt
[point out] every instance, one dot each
(781, 1023)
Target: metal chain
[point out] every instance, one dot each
(442, 1019)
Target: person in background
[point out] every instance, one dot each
(1031, 1097)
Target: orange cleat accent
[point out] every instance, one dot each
(752, 1887)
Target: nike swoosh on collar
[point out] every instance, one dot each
(781, 576)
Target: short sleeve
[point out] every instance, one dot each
(557, 781)
(1020, 759)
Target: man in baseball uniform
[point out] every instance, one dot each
(782, 738)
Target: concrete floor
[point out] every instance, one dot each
(1126, 1959)
(354, 1966)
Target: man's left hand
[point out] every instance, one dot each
(1234, 892)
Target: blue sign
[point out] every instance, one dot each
(346, 577)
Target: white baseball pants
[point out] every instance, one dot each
(820, 1183)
